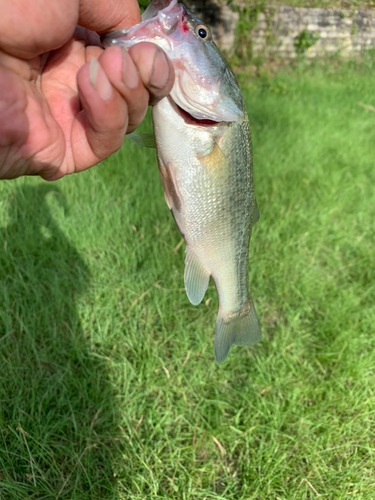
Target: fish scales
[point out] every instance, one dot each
(204, 152)
(209, 218)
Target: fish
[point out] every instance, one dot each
(204, 152)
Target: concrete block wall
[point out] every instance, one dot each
(346, 31)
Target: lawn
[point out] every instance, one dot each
(108, 384)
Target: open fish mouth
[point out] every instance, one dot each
(189, 119)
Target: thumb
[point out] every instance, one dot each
(100, 16)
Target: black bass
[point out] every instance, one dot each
(204, 153)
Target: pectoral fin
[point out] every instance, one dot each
(196, 278)
(144, 140)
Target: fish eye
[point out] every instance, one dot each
(203, 32)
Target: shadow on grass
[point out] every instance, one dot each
(57, 417)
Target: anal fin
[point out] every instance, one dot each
(196, 278)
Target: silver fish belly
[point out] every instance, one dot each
(207, 177)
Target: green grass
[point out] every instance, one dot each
(108, 384)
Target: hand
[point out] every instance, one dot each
(65, 103)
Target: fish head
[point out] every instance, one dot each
(205, 87)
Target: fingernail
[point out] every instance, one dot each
(130, 74)
(99, 80)
(160, 70)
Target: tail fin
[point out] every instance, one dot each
(240, 329)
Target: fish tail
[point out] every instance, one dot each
(241, 328)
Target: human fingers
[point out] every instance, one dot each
(115, 92)
(155, 69)
(100, 16)
(99, 128)
(140, 75)
(124, 76)
(13, 124)
(28, 29)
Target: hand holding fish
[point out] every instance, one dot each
(65, 103)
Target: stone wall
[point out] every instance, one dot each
(278, 29)
(346, 31)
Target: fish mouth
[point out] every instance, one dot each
(191, 120)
